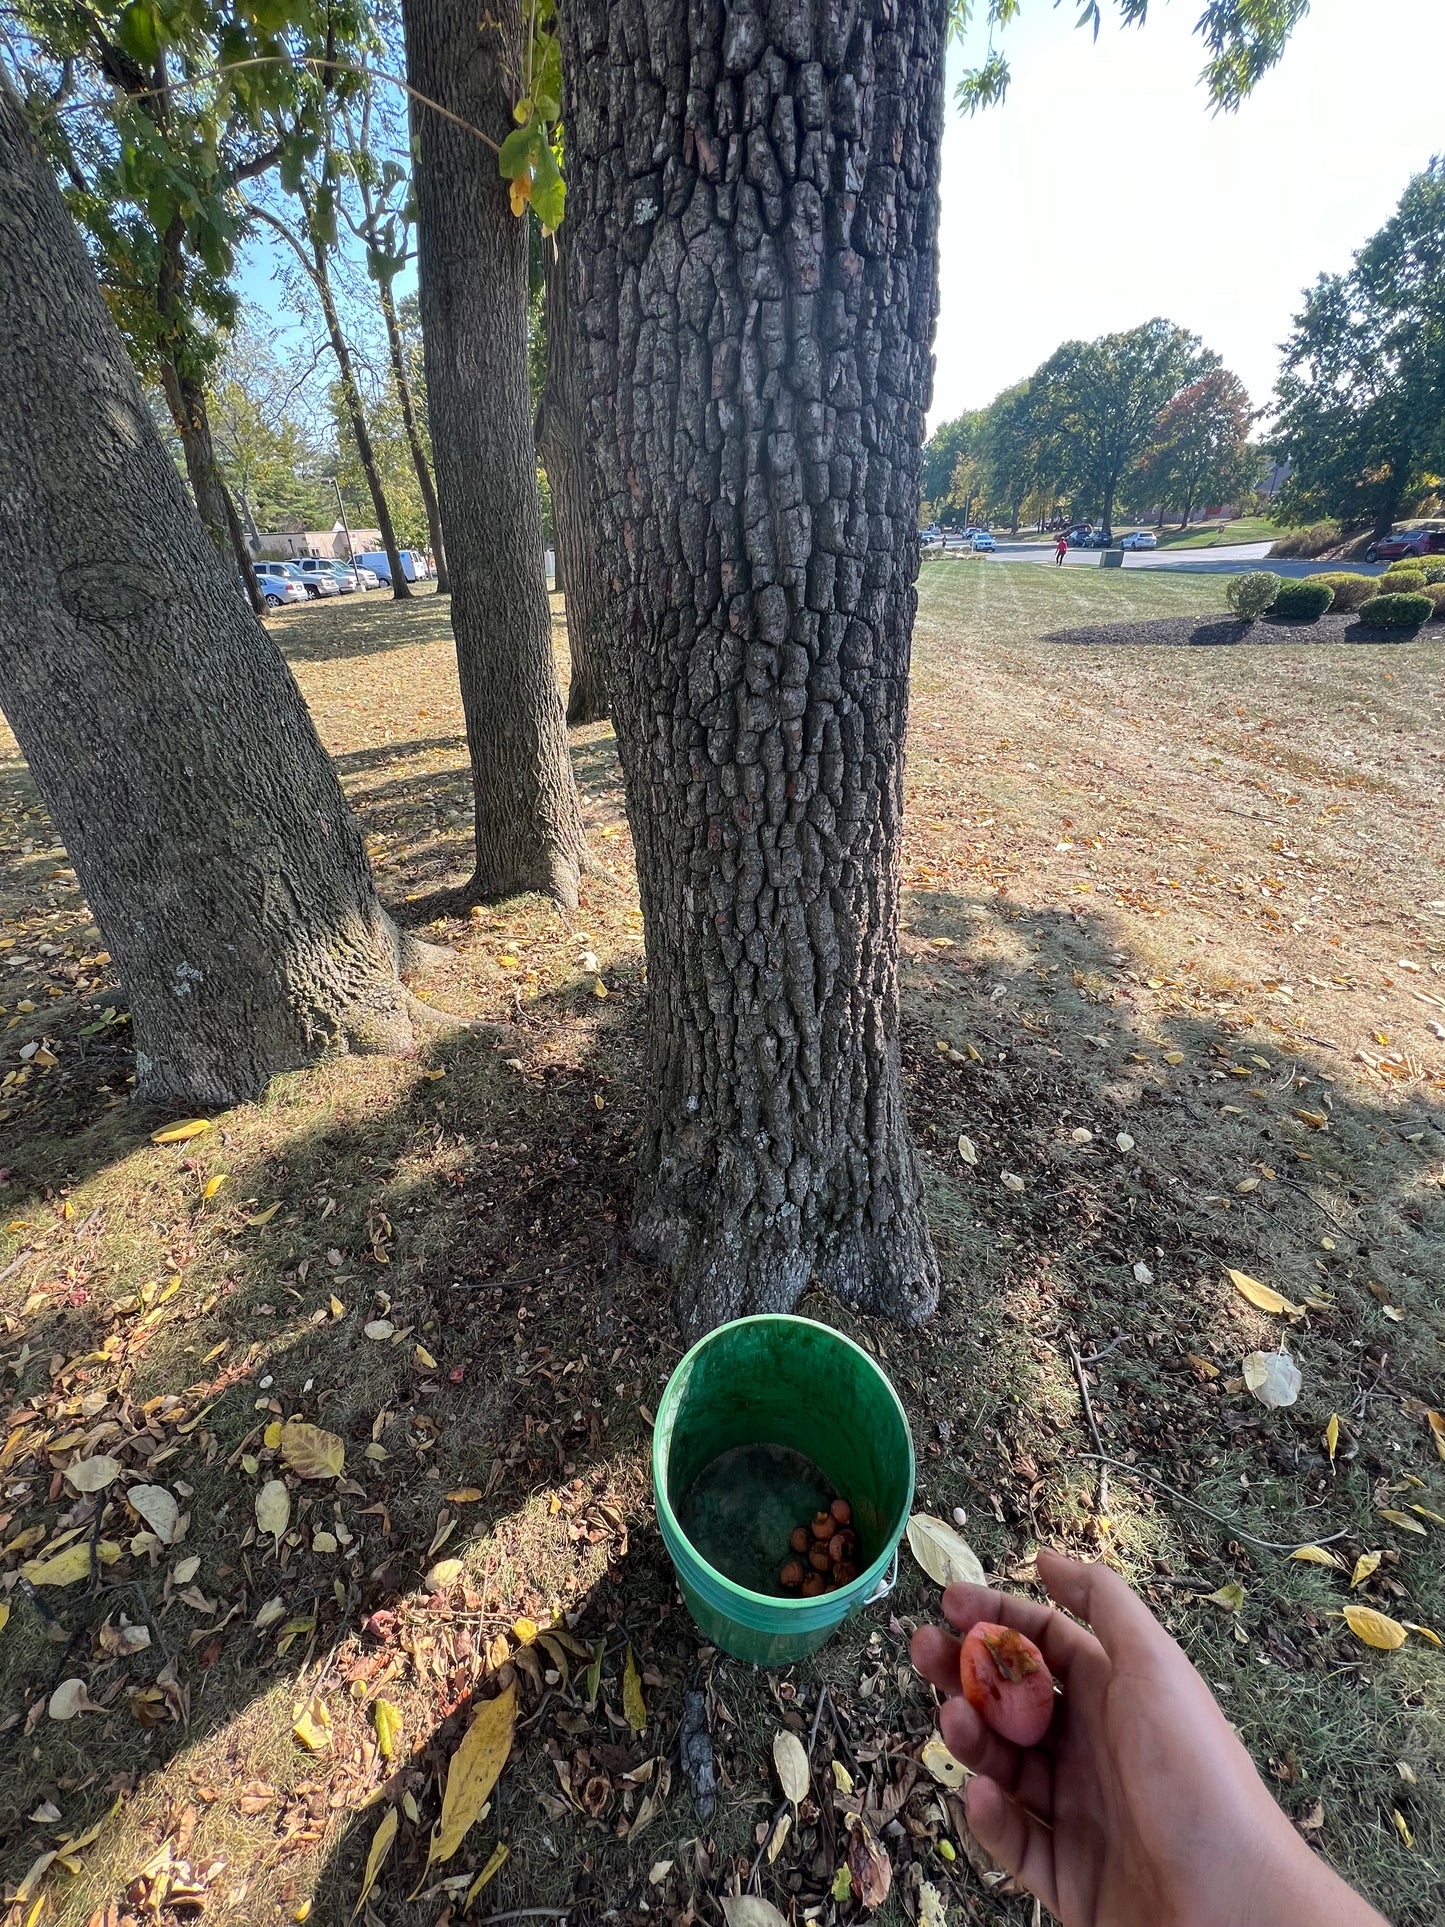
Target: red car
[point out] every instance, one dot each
(1391, 548)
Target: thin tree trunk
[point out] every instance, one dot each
(472, 260)
(356, 415)
(177, 759)
(413, 437)
(754, 292)
(563, 450)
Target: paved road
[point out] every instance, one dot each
(1236, 559)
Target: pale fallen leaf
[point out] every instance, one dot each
(69, 1698)
(790, 1757)
(1081, 1135)
(178, 1133)
(443, 1575)
(750, 1910)
(1273, 1378)
(4, 1614)
(1314, 1556)
(660, 1869)
(1142, 1274)
(311, 1452)
(1124, 1141)
(931, 1909)
(1436, 1422)
(1011, 1181)
(1264, 1296)
(424, 1359)
(473, 1772)
(1375, 1629)
(779, 1837)
(967, 1150)
(376, 1855)
(158, 1508)
(273, 1507)
(93, 1474)
(378, 1330)
(940, 1765)
(263, 1217)
(1364, 1566)
(944, 1555)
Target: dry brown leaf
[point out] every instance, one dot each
(870, 1867)
(633, 1704)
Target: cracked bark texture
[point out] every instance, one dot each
(754, 191)
(162, 727)
(472, 266)
(561, 443)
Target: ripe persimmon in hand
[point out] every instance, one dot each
(1007, 1683)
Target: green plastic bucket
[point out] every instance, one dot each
(799, 1388)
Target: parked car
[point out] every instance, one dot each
(983, 542)
(311, 590)
(1098, 539)
(1392, 548)
(1140, 539)
(930, 541)
(276, 589)
(1079, 534)
(375, 560)
(326, 574)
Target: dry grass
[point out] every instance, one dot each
(1171, 894)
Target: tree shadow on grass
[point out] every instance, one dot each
(483, 1214)
(357, 625)
(1231, 632)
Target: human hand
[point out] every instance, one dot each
(1140, 1808)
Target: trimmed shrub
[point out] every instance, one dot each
(1350, 590)
(1433, 569)
(1435, 592)
(1304, 601)
(1403, 578)
(1397, 611)
(1250, 595)
(1310, 542)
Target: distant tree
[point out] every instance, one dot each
(268, 459)
(1199, 449)
(1014, 450)
(940, 459)
(1099, 401)
(1361, 398)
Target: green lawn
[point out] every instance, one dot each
(1248, 528)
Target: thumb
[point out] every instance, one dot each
(1020, 1844)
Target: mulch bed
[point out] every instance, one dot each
(1226, 631)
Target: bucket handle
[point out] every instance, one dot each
(886, 1583)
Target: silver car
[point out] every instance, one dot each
(320, 571)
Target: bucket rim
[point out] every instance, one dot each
(805, 1614)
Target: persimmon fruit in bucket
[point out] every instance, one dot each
(1007, 1682)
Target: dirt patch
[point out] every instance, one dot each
(1228, 632)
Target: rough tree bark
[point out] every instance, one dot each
(472, 261)
(177, 759)
(754, 285)
(413, 437)
(563, 448)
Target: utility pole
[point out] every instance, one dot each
(350, 551)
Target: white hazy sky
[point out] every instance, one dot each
(1104, 191)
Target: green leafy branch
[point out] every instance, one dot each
(530, 156)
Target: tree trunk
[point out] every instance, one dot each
(754, 292)
(563, 449)
(356, 414)
(177, 759)
(472, 262)
(413, 437)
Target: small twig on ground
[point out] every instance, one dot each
(785, 1806)
(1238, 1531)
(150, 1619)
(1101, 1505)
(1113, 1345)
(1328, 1216)
(526, 1913)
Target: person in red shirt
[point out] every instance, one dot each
(1061, 549)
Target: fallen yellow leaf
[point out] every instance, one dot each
(273, 1507)
(425, 1359)
(376, 1854)
(1436, 1422)
(1375, 1629)
(1424, 1632)
(1402, 1828)
(524, 1631)
(66, 1567)
(473, 1772)
(312, 1726)
(633, 1704)
(1364, 1566)
(312, 1452)
(496, 1860)
(1230, 1597)
(1314, 1556)
(271, 1437)
(465, 1495)
(213, 1185)
(1332, 1436)
(178, 1133)
(387, 1719)
(263, 1217)
(1263, 1296)
(1402, 1520)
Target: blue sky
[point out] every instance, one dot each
(1104, 191)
